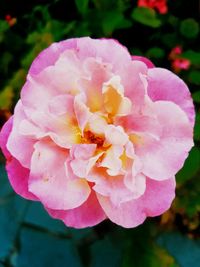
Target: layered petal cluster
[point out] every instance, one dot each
(98, 133)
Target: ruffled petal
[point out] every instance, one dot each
(50, 55)
(88, 214)
(4, 134)
(163, 157)
(18, 177)
(19, 146)
(48, 179)
(164, 85)
(109, 50)
(157, 199)
(134, 87)
(110, 186)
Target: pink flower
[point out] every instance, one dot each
(98, 134)
(159, 5)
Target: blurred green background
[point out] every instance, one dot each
(28, 236)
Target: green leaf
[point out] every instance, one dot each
(155, 52)
(189, 28)
(193, 56)
(6, 97)
(191, 166)
(36, 215)
(113, 21)
(105, 253)
(196, 96)
(197, 128)
(142, 251)
(5, 188)
(4, 26)
(12, 209)
(6, 59)
(173, 21)
(194, 77)
(82, 6)
(186, 251)
(187, 200)
(42, 249)
(146, 16)
(170, 39)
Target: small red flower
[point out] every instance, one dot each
(178, 62)
(159, 5)
(11, 21)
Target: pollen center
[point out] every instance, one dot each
(91, 138)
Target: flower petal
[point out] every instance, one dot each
(110, 186)
(18, 145)
(50, 55)
(156, 200)
(164, 85)
(18, 177)
(4, 134)
(163, 157)
(113, 89)
(88, 214)
(48, 180)
(144, 60)
(109, 50)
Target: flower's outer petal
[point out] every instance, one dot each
(109, 50)
(19, 146)
(4, 134)
(48, 179)
(66, 72)
(18, 175)
(163, 157)
(156, 200)
(50, 55)
(32, 93)
(58, 122)
(145, 60)
(164, 85)
(88, 214)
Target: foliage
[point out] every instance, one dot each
(28, 236)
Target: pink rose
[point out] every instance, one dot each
(98, 134)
